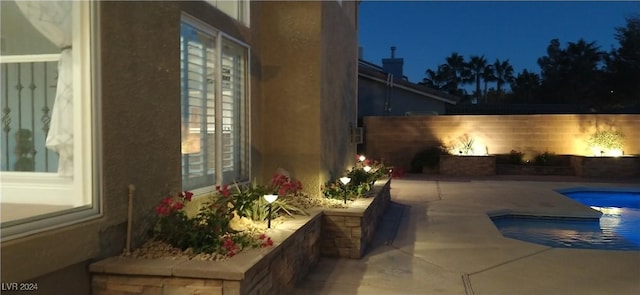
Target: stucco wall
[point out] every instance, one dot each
(308, 52)
(398, 139)
(338, 92)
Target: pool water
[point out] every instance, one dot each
(617, 229)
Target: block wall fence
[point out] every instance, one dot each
(398, 139)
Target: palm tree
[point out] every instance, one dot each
(526, 86)
(488, 75)
(434, 79)
(476, 67)
(453, 72)
(503, 73)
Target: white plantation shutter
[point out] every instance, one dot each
(206, 152)
(198, 59)
(233, 111)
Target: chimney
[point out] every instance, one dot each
(393, 65)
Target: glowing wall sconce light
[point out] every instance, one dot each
(345, 180)
(270, 199)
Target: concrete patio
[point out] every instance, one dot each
(437, 238)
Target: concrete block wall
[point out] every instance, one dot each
(398, 139)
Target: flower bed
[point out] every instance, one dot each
(297, 246)
(272, 270)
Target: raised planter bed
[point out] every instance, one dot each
(347, 232)
(509, 169)
(467, 165)
(606, 167)
(274, 270)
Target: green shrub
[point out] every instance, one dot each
(429, 157)
(360, 180)
(546, 159)
(514, 158)
(605, 140)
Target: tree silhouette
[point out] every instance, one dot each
(476, 67)
(623, 65)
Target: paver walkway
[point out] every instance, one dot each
(436, 238)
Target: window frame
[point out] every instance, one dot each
(84, 186)
(220, 36)
(244, 10)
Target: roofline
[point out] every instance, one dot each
(408, 89)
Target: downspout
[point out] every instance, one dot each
(387, 101)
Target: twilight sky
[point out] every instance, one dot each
(426, 32)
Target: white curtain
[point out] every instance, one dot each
(53, 20)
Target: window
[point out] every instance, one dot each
(214, 107)
(46, 166)
(237, 9)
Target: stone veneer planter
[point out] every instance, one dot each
(467, 165)
(509, 169)
(606, 167)
(274, 270)
(347, 232)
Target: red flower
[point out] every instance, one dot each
(267, 243)
(224, 190)
(177, 206)
(162, 210)
(186, 195)
(262, 236)
(228, 244)
(167, 200)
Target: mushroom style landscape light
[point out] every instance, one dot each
(362, 158)
(367, 168)
(270, 199)
(344, 181)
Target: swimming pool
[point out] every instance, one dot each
(617, 229)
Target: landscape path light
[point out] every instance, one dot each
(270, 199)
(362, 158)
(344, 181)
(367, 168)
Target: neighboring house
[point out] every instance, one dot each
(148, 98)
(385, 91)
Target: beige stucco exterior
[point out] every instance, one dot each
(303, 76)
